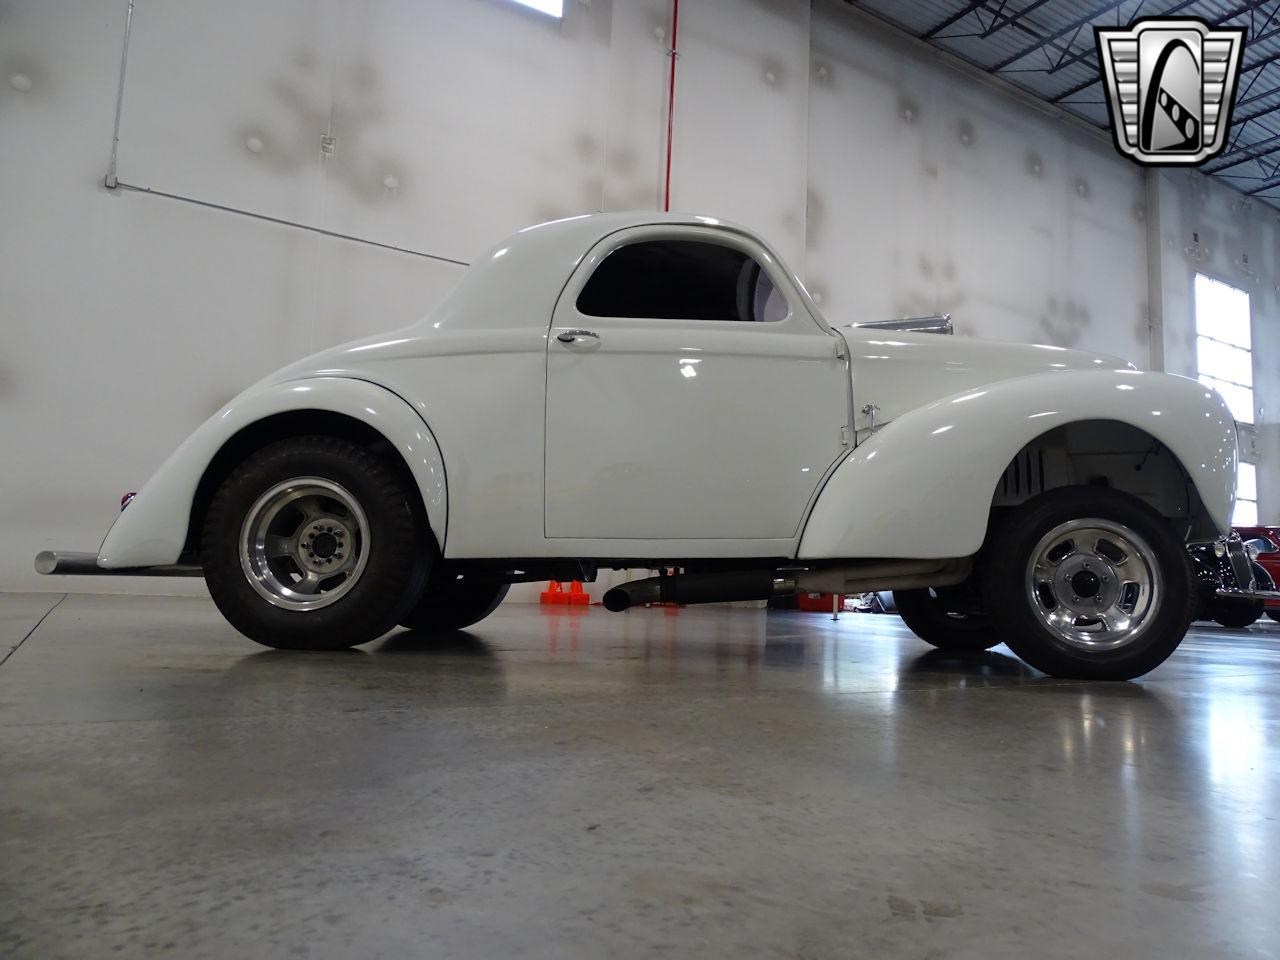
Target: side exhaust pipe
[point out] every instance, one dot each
(766, 584)
(699, 588)
(66, 562)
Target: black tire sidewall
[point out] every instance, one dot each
(1019, 625)
(1238, 615)
(445, 607)
(927, 618)
(397, 561)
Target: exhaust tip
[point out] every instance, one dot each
(46, 562)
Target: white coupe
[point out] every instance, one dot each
(647, 390)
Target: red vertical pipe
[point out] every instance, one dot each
(671, 99)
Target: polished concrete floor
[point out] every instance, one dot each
(569, 784)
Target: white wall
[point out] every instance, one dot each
(1204, 227)
(895, 185)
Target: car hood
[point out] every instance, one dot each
(897, 371)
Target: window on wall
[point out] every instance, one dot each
(554, 7)
(1224, 344)
(1224, 361)
(1246, 514)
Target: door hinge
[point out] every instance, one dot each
(844, 436)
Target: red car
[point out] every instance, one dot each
(1268, 561)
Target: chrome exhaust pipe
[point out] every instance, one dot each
(69, 563)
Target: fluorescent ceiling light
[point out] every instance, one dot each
(553, 7)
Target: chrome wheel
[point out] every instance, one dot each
(304, 543)
(1095, 584)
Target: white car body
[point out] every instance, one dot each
(690, 439)
(648, 390)
(696, 439)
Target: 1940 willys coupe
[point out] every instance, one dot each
(641, 390)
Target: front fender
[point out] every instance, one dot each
(922, 485)
(153, 529)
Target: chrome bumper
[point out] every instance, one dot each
(1233, 548)
(69, 563)
(1247, 594)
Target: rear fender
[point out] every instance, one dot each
(922, 485)
(153, 529)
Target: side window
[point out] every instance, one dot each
(681, 280)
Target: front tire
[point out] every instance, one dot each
(455, 605)
(1089, 583)
(315, 543)
(1236, 615)
(938, 617)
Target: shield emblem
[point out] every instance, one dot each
(1170, 87)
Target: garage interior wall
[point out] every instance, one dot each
(892, 182)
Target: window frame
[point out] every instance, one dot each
(799, 318)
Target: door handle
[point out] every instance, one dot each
(869, 410)
(571, 336)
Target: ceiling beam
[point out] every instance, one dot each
(1016, 16)
(1239, 119)
(1266, 186)
(1086, 84)
(1253, 151)
(954, 18)
(1075, 24)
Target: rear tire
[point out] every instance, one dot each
(935, 620)
(454, 606)
(315, 543)
(1089, 583)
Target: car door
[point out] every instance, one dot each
(690, 394)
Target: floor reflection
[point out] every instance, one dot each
(839, 783)
(455, 643)
(965, 667)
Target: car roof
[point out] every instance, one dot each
(517, 282)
